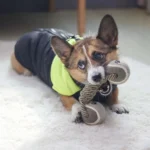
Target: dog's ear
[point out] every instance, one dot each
(108, 31)
(61, 48)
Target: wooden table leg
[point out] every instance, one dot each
(51, 5)
(81, 16)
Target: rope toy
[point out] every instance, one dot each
(94, 112)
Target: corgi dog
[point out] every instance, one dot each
(66, 62)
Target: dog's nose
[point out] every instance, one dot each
(97, 78)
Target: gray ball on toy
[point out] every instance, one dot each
(96, 113)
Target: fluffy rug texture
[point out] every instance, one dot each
(33, 118)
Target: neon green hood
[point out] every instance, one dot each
(60, 77)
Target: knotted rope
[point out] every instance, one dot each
(89, 91)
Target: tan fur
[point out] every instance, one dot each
(112, 56)
(67, 101)
(113, 99)
(18, 67)
(78, 75)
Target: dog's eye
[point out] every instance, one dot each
(81, 64)
(98, 55)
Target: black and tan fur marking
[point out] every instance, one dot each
(104, 43)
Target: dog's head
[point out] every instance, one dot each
(86, 60)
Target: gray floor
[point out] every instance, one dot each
(133, 24)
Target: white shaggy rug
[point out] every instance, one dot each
(33, 118)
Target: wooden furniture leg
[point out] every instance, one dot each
(81, 11)
(51, 5)
(81, 16)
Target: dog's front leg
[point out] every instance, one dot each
(115, 106)
(74, 106)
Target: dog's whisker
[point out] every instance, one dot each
(105, 62)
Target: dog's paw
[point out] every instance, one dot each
(76, 113)
(78, 118)
(27, 72)
(119, 109)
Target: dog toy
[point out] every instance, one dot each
(93, 112)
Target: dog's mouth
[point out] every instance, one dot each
(106, 89)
